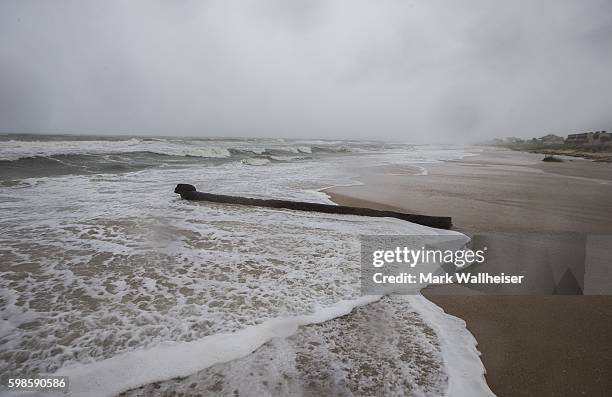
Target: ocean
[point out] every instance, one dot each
(110, 278)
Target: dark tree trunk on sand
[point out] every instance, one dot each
(188, 192)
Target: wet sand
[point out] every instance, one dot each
(498, 190)
(531, 345)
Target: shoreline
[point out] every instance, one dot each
(530, 345)
(497, 190)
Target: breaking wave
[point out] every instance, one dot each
(22, 149)
(51, 156)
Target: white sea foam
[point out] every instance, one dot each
(205, 151)
(255, 161)
(165, 361)
(115, 269)
(458, 346)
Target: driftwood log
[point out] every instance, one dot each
(189, 192)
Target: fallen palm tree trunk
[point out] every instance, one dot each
(188, 192)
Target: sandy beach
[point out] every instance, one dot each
(499, 190)
(530, 345)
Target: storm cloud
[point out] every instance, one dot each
(413, 71)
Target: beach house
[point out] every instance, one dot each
(592, 139)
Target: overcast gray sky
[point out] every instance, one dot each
(388, 69)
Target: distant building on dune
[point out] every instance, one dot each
(514, 140)
(590, 139)
(593, 141)
(577, 139)
(551, 139)
(602, 138)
